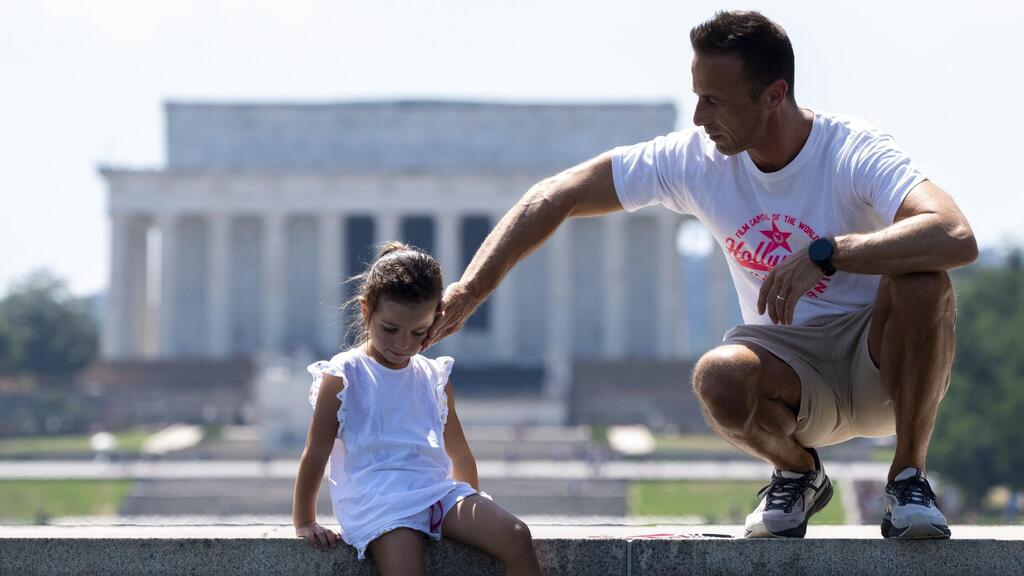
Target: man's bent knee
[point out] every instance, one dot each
(724, 380)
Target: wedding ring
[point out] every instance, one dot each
(780, 298)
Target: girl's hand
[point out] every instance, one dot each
(317, 535)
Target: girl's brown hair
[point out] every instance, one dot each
(402, 273)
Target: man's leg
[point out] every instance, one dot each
(751, 398)
(912, 339)
(912, 342)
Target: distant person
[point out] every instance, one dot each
(838, 247)
(384, 418)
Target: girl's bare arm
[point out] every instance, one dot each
(463, 462)
(319, 442)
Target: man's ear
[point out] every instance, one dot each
(775, 94)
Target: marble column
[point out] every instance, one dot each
(558, 364)
(273, 283)
(113, 329)
(503, 326)
(331, 278)
(670, 320)
(616, 323)
(137, 285)
(167, 225)
(447, 249)
(124, 328)
(720, 285)
(387, 228)
(218, 319)
(683, 337)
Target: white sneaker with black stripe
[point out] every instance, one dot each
(788, 502)
(911, 511)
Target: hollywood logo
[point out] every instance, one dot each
(767, 255)
(762, 258)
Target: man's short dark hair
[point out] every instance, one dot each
(762, 46)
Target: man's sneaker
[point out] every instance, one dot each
(910, 508)
(788, 502)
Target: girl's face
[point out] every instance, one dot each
(397, 330)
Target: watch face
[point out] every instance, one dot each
(820, 250)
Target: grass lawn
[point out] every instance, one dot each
(692, 443)
(726, 502)
(128, 442)
(883, 454)
(30, 499)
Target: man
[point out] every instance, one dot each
(838, 247)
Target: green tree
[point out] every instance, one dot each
(979, 434)
(9, 353)
(44, 328)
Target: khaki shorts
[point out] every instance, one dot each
(841, 390)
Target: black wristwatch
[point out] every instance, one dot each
(821, 254)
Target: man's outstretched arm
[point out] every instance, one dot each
(587, 189)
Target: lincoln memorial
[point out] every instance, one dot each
(241, 245)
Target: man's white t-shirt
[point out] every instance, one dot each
(848, 178)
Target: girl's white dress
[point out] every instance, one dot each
(389, 468)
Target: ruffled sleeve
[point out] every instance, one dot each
(317, 371)
(444, 371)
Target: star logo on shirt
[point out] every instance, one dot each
(778, 238)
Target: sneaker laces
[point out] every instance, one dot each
(914, 490)
(782, 493)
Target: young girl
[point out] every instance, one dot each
(384, 419)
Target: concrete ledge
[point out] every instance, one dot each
(568, 550)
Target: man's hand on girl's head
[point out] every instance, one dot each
(457, 304)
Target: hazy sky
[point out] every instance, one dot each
(84, 84)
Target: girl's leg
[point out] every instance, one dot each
(398, 552)
(483, 524)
